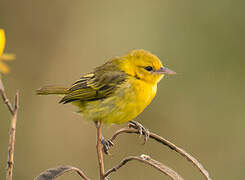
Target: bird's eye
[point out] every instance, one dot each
(148, 68)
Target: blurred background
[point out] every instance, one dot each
(201, 109)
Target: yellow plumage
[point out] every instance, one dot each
(117, 91)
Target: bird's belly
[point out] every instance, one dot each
(127, 102)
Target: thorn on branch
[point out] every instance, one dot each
(16, 101)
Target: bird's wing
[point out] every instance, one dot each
(94, 86)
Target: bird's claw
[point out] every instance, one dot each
(141, 128)
(107, 144)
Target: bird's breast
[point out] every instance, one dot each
(127, 102)
(144, 93)
(132, 98)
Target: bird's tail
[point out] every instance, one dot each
(46, 90)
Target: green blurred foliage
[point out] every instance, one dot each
(201, 109)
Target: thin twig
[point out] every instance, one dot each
(10, 164)
(147, 160)
(167, 143)
(14, 112)
(100, 151)
(5, 99)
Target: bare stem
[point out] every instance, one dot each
(99, 151)
(5, 99)
(14, 112)
(10, 164)
(167, 143)
(149, 161)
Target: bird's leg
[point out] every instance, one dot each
(106, 144)
(141, 128)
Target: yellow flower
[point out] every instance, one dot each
(4, 57)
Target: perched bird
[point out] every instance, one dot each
(117, 91)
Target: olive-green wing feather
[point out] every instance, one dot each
(94, 86)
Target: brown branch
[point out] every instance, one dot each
(167, 143)
(149, 161)
(14, 112)
(10, 164)
(5, 99)
(100, 151)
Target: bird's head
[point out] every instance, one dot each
(144, 66)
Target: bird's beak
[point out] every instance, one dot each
(164, 70)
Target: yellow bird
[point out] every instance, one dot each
(117, 91)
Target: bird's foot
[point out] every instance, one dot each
(141, 128)
(107, 144)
